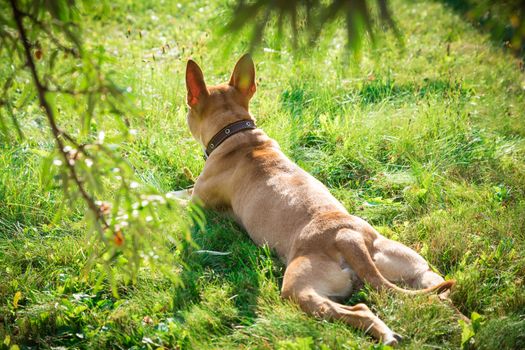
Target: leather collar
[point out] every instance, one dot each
(226, 132)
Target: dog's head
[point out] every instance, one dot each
(213, 107)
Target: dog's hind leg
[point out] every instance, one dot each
(356, 252)
(312, 280)
(399, 263)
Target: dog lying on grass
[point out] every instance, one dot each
(327, 251)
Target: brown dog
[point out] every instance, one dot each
(326, 250)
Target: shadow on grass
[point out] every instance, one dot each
(306, 104)
(379, 90)
(225, 259)
(301, 98)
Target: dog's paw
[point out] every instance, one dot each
(444, 295)
(398, 337)
(182, 196)
(393, 339)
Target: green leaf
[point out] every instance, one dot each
(477, 321)
(79, 309)
(466, 334)
(16, 299)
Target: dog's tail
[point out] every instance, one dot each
(356, 254)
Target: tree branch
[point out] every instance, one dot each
(57, 133)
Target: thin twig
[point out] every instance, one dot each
(46, 30)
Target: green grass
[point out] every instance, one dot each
(428, 146)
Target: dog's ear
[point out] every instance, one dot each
(195, 84)
(243, 76)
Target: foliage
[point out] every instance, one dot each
(310, 17)
(504, 20)
(469, 330)
(55, 84)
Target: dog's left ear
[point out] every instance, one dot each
(243, 76)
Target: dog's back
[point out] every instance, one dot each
(268, 194)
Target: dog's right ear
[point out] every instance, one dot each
(195, 84)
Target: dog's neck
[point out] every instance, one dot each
(247, 139)
(216, 121)
(227, 132)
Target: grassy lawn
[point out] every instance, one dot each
(427, 143)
